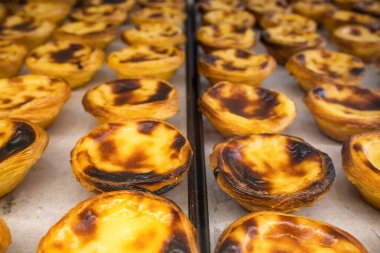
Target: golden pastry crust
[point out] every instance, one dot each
(342, 17)
(176, 4)
(106, 13)
(146, 61)
(360, 158)
(240, 110)
(35, 98)
(370, 8)
(221, 5)
(55, 12)
(224, 36)
(273, 19)
(123, 221)
(359, 41)
(26, 30)
(94, 34)
(126, 5)
(69, 2)
(236, 18)
(134, 154)
(5, 238)
(317, 67)
(160, 34)
(282, 42)
(278, 232)
(21, 145)
(260, 7)
(132, 99)
(154, 15)
(75, 62)
(12, 56)
(236, 66)
(272, 172)
(341, 111)
(313, 10)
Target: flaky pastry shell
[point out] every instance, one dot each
(317, 67)
(35, 98)
(95, 34)
(343, 17)
(236, 66)
(75, 62)
(106, 13)
(126, 5)
(21, 145)
(155, 15)
(132, 99)
(260, 7)
(5, 236)
(224, 36)
(119, 222)
(143, 154)
(236, 18)
(158, 34)
(273, 19)
(269, 232)
(313, 10)
(146, 61)
(240, 110)
(271, 172)
(55, 12)
(341, 111)
(12, 56)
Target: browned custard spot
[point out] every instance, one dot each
(86, 225)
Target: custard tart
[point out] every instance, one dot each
(270, 232)
(5, 237)
(176, 4)
(73, 61)
(22, 144)
(126, 5)
(224, 36)
(160, 34)
(316, 67)
(26, 30)
(119, 222)
(154, 15)
(146, 61)
(144, 154)
(260, 7)
(240, 110)
(54, 12)
(359, 41)
(313, 10)
(236, 18)
(94, 34)
(132, 99)
(106, 13)
(272, 172)
(236, 66)
(342, 17)
(361, 163)
(296, 21)
(12, 56)
(282, 42)
(35, 98)
(370, 8)
(221, 5)
(341, 111)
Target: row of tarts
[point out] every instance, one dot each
(104, 160)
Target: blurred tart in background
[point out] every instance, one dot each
(55, 12)
(313, 10)
(342, 17)
(12, 56)
(106, 13)
(236, 18)
(154, 15)
(274, 19)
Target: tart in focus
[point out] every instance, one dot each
(238, 109)
(94, 34)
(236, 18)
(341, 17)
(316, 67)
(126, 5)
(361, 163)
(272, 172)
(154, 15)
(134, 154)
(53, 12)
(146, 61)
(282, 42)
(131, 99)
(278, 232)
(73, 61)
(341, 111)
(359, 41)
(260, 7)
(5, 237)
(159, 4)
(12, 56)
(368, 7)
(160, 34)
(225, 36)
(313, 10)
(124, 221)
(274, 19)
(26, 30)
(221, 5)
(106, 13)
(35, 98)
(21, 145)
(236, 66)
